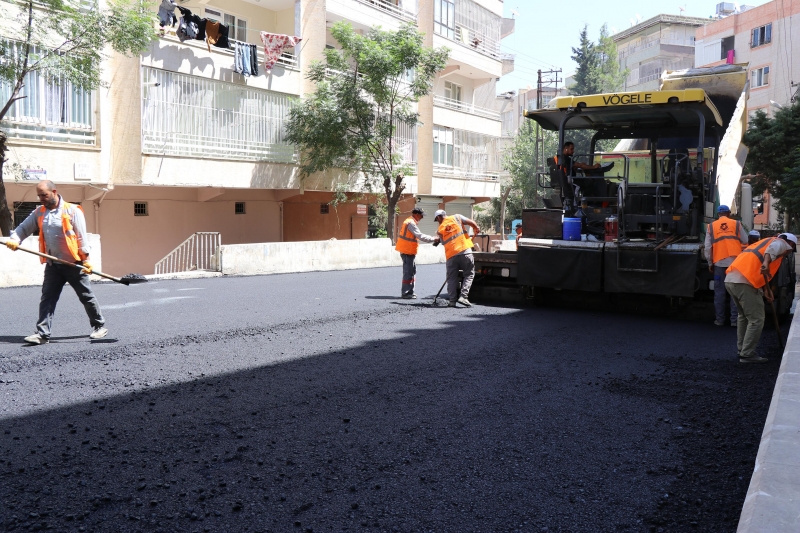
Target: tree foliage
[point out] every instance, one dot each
(365, 92)
(773, 158)
(598, 71)
(63, 41)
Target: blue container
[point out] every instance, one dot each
(571, 229)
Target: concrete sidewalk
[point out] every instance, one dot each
(773, 498)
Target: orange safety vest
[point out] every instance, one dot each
(406, 241)
(725, 240)
(453, 236)
(69, 232)
(749, 262)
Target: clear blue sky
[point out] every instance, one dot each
(546, 31)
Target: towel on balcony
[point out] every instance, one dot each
(166, 13)
(216, 34)
(274, 44)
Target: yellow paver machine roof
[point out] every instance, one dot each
(630, 113)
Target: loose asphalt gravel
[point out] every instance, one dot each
(320, 402)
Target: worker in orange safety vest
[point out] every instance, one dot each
(62, 234)
(725, 239)
(408, 239)
(458, 252)
(747, 281)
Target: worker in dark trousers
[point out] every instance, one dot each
(725, 239)
(747, 282)
(408, 240)
(458, 251)
(62, 234)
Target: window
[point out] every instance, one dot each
(140, 209)
(444, 18)
(324, 209)
(237, 26)
(238, 208)
(452, 91)
(759, 77)
(50, 109)
(727, 46)
(22, 210)
(761, 36)
(442, 146)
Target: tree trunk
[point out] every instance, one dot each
(503, 199)
(391, 207)
(5, 213)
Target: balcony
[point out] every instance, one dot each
(365, 14)
(194, 117)
(465, 107)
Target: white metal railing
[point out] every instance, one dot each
(391, 8)
(190, 116)
(465, 107)
(478, 41)
(198, 252)
(287, 59)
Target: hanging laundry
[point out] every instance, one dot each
(274, 45)
(254, 59)
(241, 58)
(216, 34)
(194, 26)
(186, 29)
(166, 13)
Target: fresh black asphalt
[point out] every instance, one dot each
(321, 402)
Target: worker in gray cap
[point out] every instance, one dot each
(747, 282)
(454, 236)
(408, 240)
(753, 236)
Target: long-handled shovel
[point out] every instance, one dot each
(775, 315)
(440, 291)
(126, 280)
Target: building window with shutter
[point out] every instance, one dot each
(761, 35)
(324, 209)
(238, 208)
(140, 209)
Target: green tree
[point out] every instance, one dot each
(597, 71)
(62, 41)
(351, 121)
(776, 168)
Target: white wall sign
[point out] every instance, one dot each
(82, 172)
(35, 174)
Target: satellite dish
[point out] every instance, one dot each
(514, 13)
(638, 17)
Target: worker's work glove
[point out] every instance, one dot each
(87, 268)
(12, 245)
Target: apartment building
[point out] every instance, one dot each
(182, 141)
(654, 46)
(761, 37)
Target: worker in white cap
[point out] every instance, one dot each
(753, 236)
(454, 236)
(747, 282)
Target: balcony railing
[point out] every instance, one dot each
(464, 107)
(189, 116)
(396, 10)
(478, 41)
(466, 174)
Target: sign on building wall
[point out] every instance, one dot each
(35, 174)
(361, 209)
(82, 172)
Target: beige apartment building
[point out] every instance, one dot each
(761, 37)
(179, 142)
(654, 46)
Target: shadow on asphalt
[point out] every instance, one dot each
(18, 339)
(505, 425)
(382, 297)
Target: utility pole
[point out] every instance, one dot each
(546, 85)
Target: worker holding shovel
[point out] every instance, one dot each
(62, 234)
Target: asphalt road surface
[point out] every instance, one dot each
(321, 402)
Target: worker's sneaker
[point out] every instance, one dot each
(754, 359)
(718, 323)
(464, 301)
(36, 339)
(409, 297)
(451, 304)
(98, 333)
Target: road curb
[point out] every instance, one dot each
(774, 493)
